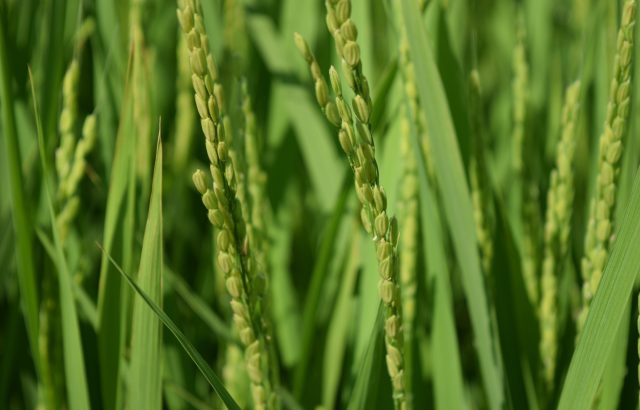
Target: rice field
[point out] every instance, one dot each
(294, 204)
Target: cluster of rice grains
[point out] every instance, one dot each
(354, 133)
(479, 178)
(70, 155)
(70, 165)
(560, 198)
(556, 232)
(228, 210)
(600, 225)
(521, 142)
(412, 117)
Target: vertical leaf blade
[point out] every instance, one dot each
(145, 380)
(21, 224)
(448, 383)
(213, 380)
(73, 354)
(110, 299)
(606, 312)
(456, 200)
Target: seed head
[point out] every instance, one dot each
(303, 47)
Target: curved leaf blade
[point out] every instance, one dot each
(209, 375)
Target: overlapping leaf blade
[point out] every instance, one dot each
(606, 312)
(210, 376)
(456, 201)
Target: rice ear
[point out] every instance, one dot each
(355, 137)
(599, 227)
(228, 209)
(556, 232)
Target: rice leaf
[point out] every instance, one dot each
(111, 308)
(209, 375)
(73, 354)
(371, 371)
(318, 275)
(453, 81)
(448, 383)
(22, 224)
(606, 312)
(112, 35)
(338, 331)
(456, 201)
(514, 313)
(86, 305)
(52, 76)
(616, 369)
(145, 373)
(367, 304)
(381, 92)
(288, 401)
(286, 312)
(87, 308)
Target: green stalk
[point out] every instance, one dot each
(140, 96)
(21, 223)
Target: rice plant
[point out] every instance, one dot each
(289, 204)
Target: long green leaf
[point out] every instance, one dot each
(19, 207)
(381, 93)
(87, 309)
(606, 312)
(370, 370)
(514, 314)
(453, 80)
(338, 330)
(616, 369)
(145, 378)
(456, 201)
(110, 295)
(315, 290)
(74, 367)
(11, 330)
(367, 303)
(286, 311)
(52, 76)
(448, 382)
(111, 34)
(73, 354)
(209, 375)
